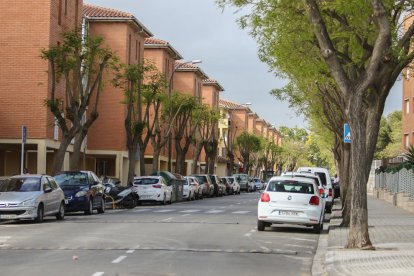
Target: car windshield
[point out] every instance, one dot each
(290, 186)
(322, 176)
(230, 179)
(146, 181)
(201, 179)
(242, 177)
(30, 184)
(257, 180)
(72, 179)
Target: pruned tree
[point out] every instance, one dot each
(211, 144)
(76, 67)
(247, 144)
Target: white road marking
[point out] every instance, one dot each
(185, 215)
(301, 239)
(265, 248)
(119, 259)
(4, 238)
(253, 231)
(98, 274)
(130, 251)
(248, 234)
(214, 211)
(167, 219)
(190, 211)
(140, 210)
(163, 211)
(241, 212)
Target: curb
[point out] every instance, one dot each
(318, 264)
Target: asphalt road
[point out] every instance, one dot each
(216, 236)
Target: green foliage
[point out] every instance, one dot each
(248, 143)
(409, 155)
(389, 136)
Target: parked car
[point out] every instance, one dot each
(227, 184)
(326, 182)
(259, 184)
(219, 187)
(83, 190)
(31, 197)
(323, 191)
(190, 188)
(243, 180)
(293, 200)
(120, 196)
(234, 184)
(153, 188)
(205, 181)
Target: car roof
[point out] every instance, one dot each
(29, 175)
(303, 179)
(148, 176)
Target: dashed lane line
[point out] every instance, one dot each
(241, 212)
(98, 274)
(163, 211)
(190, 211)
(119, 259)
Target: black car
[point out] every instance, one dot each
(83, 191)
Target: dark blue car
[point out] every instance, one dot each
(83, 191)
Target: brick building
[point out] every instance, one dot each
(27, 27)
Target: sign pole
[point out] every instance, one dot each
(23, 142)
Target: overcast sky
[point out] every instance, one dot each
(198, 29)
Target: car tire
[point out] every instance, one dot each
(89, 211)
(261, 225)
(61, 212)
(328, 209)
(40, 214)
(317, 229)
(101, 209)
(170, 201)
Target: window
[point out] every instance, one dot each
(66, 7)
(406, 140)
(60, 13)
(407, 106)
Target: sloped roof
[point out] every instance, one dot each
(152, 42)
(189, 67)
(97, 13)
(214, 83)
(231, 105)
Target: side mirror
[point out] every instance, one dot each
(47, 190)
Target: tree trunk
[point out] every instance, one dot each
(74, 163)
(362, 150)
(180, 163)
(60, 154)
(197, 153)
(155, 159)
(344, 183)
(213, 156)
(231, 163)
(131, 164)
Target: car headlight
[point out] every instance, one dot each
(81, 193)
(29, 202)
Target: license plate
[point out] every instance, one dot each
(288, 213)
(8, 216)
(66, 201)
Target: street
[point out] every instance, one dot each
(215, 236)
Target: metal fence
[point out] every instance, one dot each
(402, 181)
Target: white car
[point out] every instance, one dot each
(291, 200)
(152, 188)
(323, 191)
(326, 182)
(191, 188)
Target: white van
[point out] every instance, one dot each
(326, 182)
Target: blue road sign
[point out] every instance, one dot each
(24, 134)
(347, 134)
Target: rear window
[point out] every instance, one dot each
(322, 176)
(290, 186)
(145, 181)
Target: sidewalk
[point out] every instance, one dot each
(391, 232)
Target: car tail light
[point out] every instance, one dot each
(322, 191)
(265, 197)
(314, 200)
(157, 186)
(330, 192)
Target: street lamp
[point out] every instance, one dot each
(170, 111)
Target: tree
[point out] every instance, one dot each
(364, 51)
(211, 144)
(80, 62)
(247, 144)
(389, 136)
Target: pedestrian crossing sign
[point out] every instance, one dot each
(347, 134)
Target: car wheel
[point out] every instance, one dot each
(328, 209)
(101, 209)
(164, 201)
(89, 211)
(61, 213)
(317, 229)
(170, 201)
(40, 213)
(261, 225)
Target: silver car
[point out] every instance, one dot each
(31, 197)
